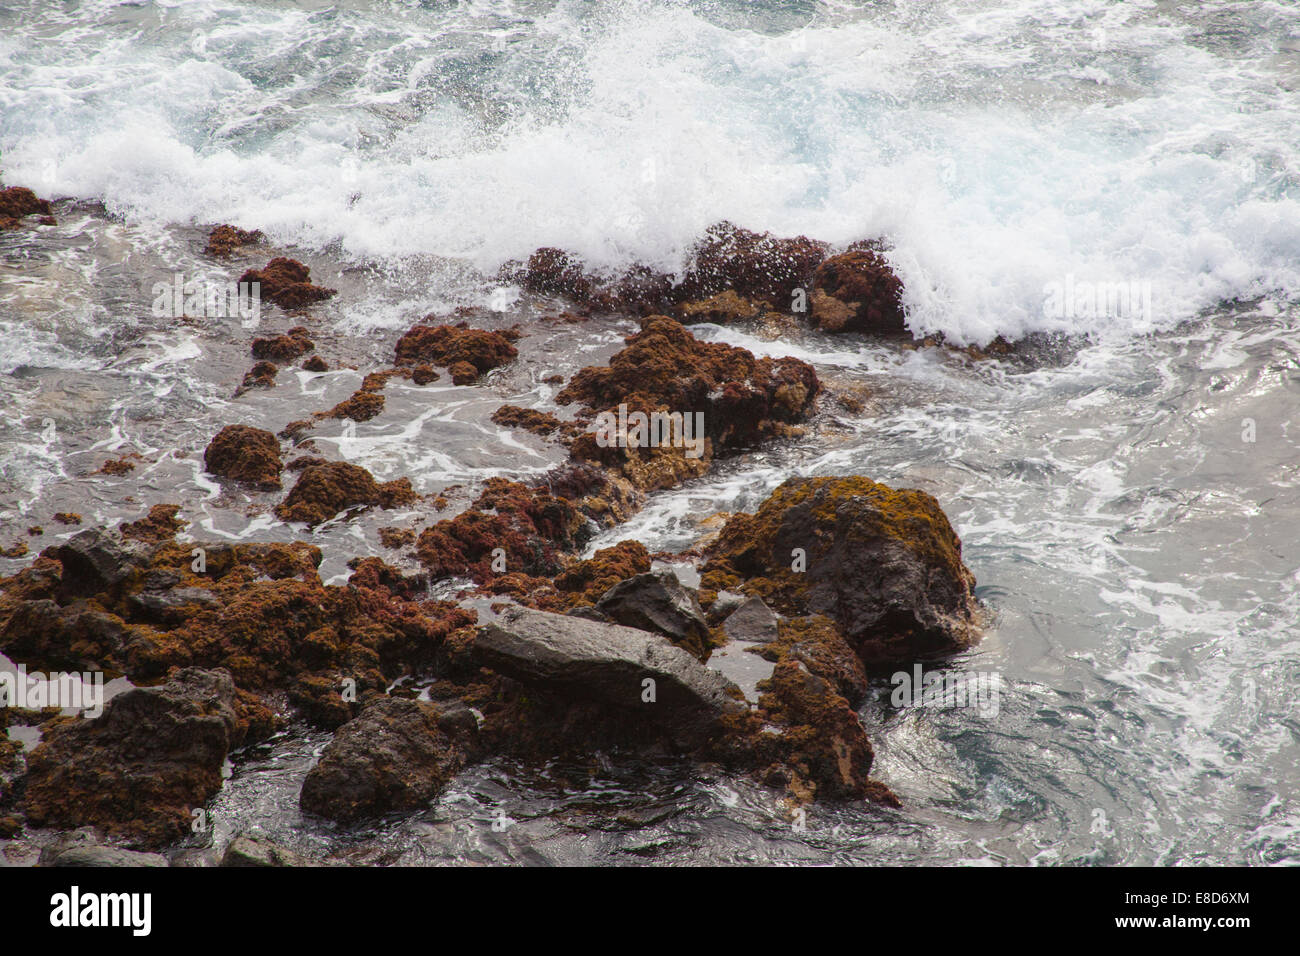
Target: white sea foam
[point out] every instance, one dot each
(1001, 146)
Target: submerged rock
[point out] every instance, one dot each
(884, 564)
(396, 756)
(250, 849)
(138, 770)
(247, 454)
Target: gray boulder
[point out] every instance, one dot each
(609, 664)
(753, 621)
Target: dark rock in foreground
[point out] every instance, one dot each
(139, 770)
(396, 756)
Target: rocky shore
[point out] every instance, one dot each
(757, 663)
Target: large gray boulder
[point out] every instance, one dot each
(610, 664)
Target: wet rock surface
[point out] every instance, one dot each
(608, 663)
(242, 453)
(395, 756)
(325, 489)
(254, 850)
(858, 292)
(247, 636)
(656, 601)
(287, 283)
(138, 770)
(465, 352)
(884, 564)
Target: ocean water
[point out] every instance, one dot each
(1127, 492)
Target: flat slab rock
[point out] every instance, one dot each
(609, 663)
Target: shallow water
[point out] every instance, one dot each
(1139, 556)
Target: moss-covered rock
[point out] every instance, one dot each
(884, 564)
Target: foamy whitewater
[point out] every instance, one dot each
(1129, 500)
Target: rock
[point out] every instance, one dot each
(246, 454)
(466, 353)
(608, 663)
(249, 849)
(739, 400)
(588, 613)
(17, 202)
(159, 525)
(755, 266)
(528, 524)
(283, 348)
(752, 621)
(225, 239)
(721, 309)
(555, 272)
(590, 578)
(364, 405)
(138, 770)
(823, 742)
(396, 756)
(99, 856)
(817, 643)
(532, 420)
(171, 607)
(656, 601)
(315, 364)
(94, 561)
(327, 488)
(884, 564)
(723, 604)
(261, 375)
(858, 292)
(287, 283)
